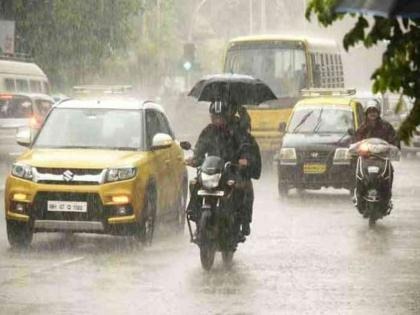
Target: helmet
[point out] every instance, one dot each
(219, 108)
(373, 104)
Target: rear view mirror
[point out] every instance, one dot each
(282, 126)
(161, 141)
(185, 145)
(23, 137)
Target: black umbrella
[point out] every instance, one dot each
(385, 8)
(237, 89)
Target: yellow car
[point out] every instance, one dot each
(314, 151)
(99, 166)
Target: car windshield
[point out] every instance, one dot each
(92, 128)
(321, 119)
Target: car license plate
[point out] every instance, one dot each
(67, 206)
(313, 168)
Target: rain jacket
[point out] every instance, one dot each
(218, 141)
(382, 130)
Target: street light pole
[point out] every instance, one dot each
(251, 16)
(263, 16)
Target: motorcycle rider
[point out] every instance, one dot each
(221, 139)
(375, 127)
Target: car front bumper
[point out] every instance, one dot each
(337, 176)
(102, 210)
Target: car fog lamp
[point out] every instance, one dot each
(121, 210)
(120, 199)
(19, 207)
(19, 197)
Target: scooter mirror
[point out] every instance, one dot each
(185, 145)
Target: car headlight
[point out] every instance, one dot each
(287, 154)
(116, 174)
(342, 156)
(210, 181)
(22, 171)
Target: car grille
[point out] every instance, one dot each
(55, 176)
(95, 209)
(75, 171)
(314, 156)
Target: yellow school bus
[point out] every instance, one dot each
(287, 65)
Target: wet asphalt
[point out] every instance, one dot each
(311, 253)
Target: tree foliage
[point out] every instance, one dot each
(71, 39)
(400, 69)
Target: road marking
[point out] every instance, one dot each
(42, 270)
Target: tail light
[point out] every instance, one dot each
(35, 122)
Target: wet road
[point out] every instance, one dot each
(310, 254)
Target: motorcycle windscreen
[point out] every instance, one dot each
(212, 165)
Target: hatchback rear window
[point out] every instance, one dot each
(15, 107)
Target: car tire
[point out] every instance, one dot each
(19, 234)
(147, 226)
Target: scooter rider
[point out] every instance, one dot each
(375, 127)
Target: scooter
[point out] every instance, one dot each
(374, 175)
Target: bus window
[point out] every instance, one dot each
(35, 86)
(282, 67)
(45, 87)
(10, 85)
(22, 85)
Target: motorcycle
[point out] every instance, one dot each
(217, 218)
(374, 175)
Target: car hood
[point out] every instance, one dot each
(301, 140)
(80, 158)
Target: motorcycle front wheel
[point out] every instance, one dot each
(227, 257)
(207, 248)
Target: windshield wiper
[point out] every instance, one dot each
(302, 121)
(318, 122)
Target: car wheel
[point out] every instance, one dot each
(19, 234)
(148, 224)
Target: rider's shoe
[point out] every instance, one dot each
(246, 229)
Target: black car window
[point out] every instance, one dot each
(152, 126)
(10, 85)
(16, 107)
(164, 124)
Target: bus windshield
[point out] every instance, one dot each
(282, 67)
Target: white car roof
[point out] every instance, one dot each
(109, 103)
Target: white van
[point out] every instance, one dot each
(22, 77)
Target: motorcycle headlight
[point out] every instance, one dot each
(210, 181)
(22, 171)
(342, 156)
(117, 174)
(287, 155)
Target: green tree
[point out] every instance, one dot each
(400, 67)
(71, 40)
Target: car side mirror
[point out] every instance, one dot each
(351, 131)
(161, 141)
(23, 137)
(185, 145)
(282, 126)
